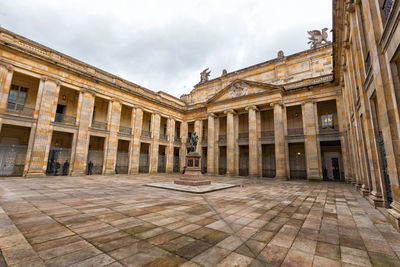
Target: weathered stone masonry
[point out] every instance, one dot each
(328, 113)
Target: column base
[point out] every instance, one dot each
(282, 178)
(109, 172)
(394, 218)
(78, 173)
(376, 200)
(364, 192)
(35, 175)
(134, 172)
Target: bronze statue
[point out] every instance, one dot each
(193, 142)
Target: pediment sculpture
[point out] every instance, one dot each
(238, 89)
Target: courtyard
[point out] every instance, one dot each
(116, 221)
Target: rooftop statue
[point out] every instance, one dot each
(318, 37)
(204, 75)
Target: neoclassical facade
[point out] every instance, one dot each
(328, 113)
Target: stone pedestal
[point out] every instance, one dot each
(193, 175)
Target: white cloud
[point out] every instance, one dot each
(164, 45)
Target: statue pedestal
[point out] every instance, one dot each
(193, 175)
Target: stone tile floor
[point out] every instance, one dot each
(116, 221)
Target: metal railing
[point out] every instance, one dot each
(62, 118)
(163, 137)
(222, 139)
(125, 130)
(146, 134)
(295, 131)
(58, 162)
(334, 129)
(24, 111)
(243, 136)
(267, 134)
(177, 139)
(144, 163)
(12, 159)
(99, 125)
(176, 164)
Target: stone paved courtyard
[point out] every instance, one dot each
(116, 221)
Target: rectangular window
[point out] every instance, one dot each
(327, 121)
(17, 97)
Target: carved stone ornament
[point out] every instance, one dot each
(281, 55)
(318, 38)
(238, 89)
(204, 75)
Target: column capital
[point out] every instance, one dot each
(9, 67)
(155, 113)
(272, 104)
(46, 78)
(88, 91)
(252, 107)
(116, 100)
(230, 111)
(211, 115)
(312, 101)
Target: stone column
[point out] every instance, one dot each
(343, 134)
(113, 126)
(134, 157)
(6, 74)
(184, 135)
(280, 151)
(43, 132)
(171, 139)
(84, 117)
(230, 142)
(236, 144)
(216, 145)
(198, 128)
(211, 145)
(313, 162)
(259, 146)
(253, 141)
(155, 123)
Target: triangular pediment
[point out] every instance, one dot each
(241, 88)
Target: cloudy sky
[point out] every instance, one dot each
(164, 45)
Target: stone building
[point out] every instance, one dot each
(328, 113)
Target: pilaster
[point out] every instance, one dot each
(44, 129)
(113, 126)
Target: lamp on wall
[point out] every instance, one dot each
(64, 97)
(296, 114)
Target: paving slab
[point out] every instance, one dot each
(117, 221)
